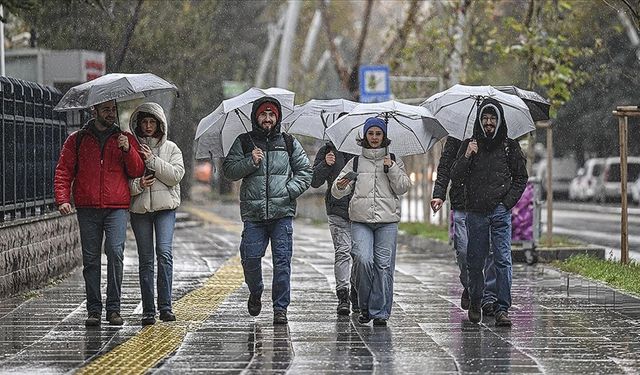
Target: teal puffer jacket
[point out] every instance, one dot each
(269, 190)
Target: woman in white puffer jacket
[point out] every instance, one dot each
(154, 199)
(374, 211)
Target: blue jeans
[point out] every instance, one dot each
(256, 235)
(460, 241)
(143, 225)
(493, 230)
(374, 259)
(96, 224)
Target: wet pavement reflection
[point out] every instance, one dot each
(562, 323)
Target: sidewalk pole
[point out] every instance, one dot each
(549, 186)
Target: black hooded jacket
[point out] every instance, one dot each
(323, 172)
(497, 173)
(456, 193)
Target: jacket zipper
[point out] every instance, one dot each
(267, 179)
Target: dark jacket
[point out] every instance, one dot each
(497, 173)
(97, 176)
(324, 173)
(269, 189)
(456, 193)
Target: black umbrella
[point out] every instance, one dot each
(538, 106)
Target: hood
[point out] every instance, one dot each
(254, 116)
(156, 110)
(501, 125)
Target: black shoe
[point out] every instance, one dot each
(114, 318)
(280, 317)
(93, 320)
(148, 319)
(343, 301)
(475, 313)
(502, 319)
(167, 316)
(488, 309)
(364, 317)
(464, 300)
(254, 305)
(380, 322)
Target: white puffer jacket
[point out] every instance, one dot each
(375, 198)
(167, 163)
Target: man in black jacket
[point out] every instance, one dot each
(458, 217)
(492, 169)
(326, 167)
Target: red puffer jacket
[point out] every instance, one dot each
(100, 179)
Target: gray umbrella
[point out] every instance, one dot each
(118, 86)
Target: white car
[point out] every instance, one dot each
(608, 185)
(582, 187)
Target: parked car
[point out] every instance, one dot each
(562, 169)
(582, 187)
(608, 185)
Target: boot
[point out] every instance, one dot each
(343, 301)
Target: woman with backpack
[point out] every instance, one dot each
(154, 199)
(376, 180)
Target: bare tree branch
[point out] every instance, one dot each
(364, 31)
(529, 16)
(400, 40)
(126, 39)
(338, 60)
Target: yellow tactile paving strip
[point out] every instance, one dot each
(153, 343)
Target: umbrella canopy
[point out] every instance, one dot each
(538, 106)
(313, 117)
(217, 131)
(456, 109)
(118, 86)
(412, 129)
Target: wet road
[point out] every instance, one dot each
(562, 324)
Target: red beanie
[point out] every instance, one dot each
(268, 106)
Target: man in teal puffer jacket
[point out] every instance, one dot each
(275, 171)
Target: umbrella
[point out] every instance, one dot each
(217, 131)
(118, 86)
(538, 106)
(313, 117)
(456, 109)
(412, 129)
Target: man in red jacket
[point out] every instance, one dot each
(96, 162)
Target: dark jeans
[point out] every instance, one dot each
(143, 225)
(256, 235)
(96, 224)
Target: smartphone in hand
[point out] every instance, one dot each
(351, 176)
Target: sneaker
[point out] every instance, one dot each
(380, 322)
(93, 320)
(254, 305)
(343, 301)
(464, 300)
(114, 318)
(364, 317)
(280, 317)
(488, 309)
(502, 319)
(148, 319)
(167, 316)
(475, 313)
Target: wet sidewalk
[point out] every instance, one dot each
(562, 324)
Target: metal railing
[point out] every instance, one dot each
(32, 137)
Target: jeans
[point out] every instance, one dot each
(143, 225)
(340, 229)
(460, 241)
(96, 224)
(374, 257)
(256, 235)
(487, 230)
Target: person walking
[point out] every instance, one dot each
(326, 167)
(154, 199)
(493, 170)
(95, 165)
(374, 211)
(458, 216)
(275, 171)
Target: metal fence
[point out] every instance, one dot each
(32, 136)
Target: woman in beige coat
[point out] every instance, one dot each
(154, 199)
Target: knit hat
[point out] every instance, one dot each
(375, 121)
(268, 106)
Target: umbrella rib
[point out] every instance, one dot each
(452, 103)
(349, 132)
(409, 128)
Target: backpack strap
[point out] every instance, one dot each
(247, 145)
(355, 163)
(288, 141)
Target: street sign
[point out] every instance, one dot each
(374, 83)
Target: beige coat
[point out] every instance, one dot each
(375, 198)
(167, 163)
